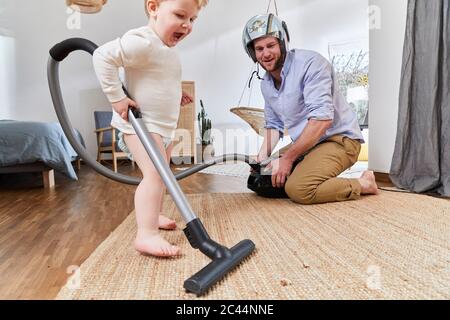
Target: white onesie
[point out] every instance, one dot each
(152, 76)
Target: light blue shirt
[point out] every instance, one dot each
(308, 91)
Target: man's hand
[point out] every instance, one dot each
(121, 107)
(186, 99)
(281, 169)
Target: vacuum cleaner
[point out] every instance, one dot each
(223, 258)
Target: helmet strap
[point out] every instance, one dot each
(256, 72)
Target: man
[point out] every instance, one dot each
(301, 95)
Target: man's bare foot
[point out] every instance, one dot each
(166, 223)
(155, 245)
(368, 183)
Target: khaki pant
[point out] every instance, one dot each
(314, 179)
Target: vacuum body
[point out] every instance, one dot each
(260, 181)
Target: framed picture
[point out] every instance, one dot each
(350, 61)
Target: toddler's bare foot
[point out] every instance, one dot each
(166, 223)
(368, 183)
(155, 245)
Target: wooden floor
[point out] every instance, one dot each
(44, 232)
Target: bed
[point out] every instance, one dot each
(36, 147)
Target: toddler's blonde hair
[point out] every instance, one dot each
(200, 3)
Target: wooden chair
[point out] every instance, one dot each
(107, 138)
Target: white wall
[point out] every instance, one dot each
(386, 49)
(212, 56)
(7, 77)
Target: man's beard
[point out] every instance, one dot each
(278, 64)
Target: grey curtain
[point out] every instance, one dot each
(421, 160)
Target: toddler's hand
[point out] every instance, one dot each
(121, 107)
(186, 99)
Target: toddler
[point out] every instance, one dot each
(153, 77)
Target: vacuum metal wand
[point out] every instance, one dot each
(135, 117)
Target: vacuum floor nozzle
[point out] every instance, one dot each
(200, 282)
(223, 259)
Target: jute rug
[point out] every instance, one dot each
(390, 246)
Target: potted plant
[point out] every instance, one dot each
(204, 126)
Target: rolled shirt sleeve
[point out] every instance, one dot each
(318, 90)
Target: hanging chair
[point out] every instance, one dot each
(86, 6)
(253, 116)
